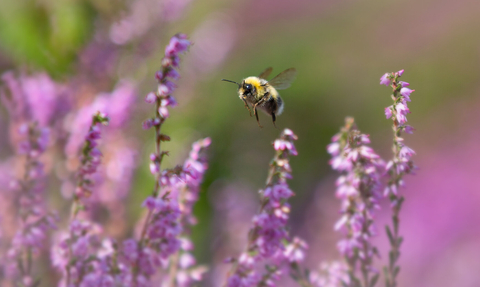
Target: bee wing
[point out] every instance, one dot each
(266, 73)
(284, 79)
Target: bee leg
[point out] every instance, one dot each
(246, 106)
(274, 119)
(256, 115)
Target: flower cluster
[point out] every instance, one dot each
(182, 267)
(166, 207)
(162, 97)
(77, 252)
(33, 219)
(90, 158)
(400, 165)
(358, 188)
(83, 258)
(170, 215)
(331, 274)
(268, 236)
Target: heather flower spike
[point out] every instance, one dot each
(33, 220)
(268, 237)
(73, 253)
(400, 165)
(162, 228)
(358, 188)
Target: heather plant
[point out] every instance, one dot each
(268, 238)
(400, 165)
(34, 219)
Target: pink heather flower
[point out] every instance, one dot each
(168, 101)
(150, 98)
(178, 44)
(406, 93)
(147, 124)
(404, 84)
(333, 149)
(385, 79)
(173, 74)
(163, 111)
(277, 192)
(406, 152)
(159, 76)
(400, 73)
(388, 112)
(402, 111)
(295, 250)
(409, 129)
(163, 90)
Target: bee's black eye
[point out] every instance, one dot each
(248, 87)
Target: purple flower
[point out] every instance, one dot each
(163, 112)
(406, 152)
(150, 98)
(400, 73)
(178, 44)
(295, 251)
(409, 129)
(173, 74)
(405, 92)
(402, 111)
(385, 79)
(388, 112)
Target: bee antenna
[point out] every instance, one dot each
(231, 82)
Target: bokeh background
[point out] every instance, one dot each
(340, 49)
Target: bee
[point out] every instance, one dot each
(257, 92)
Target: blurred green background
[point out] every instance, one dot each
(340, 49)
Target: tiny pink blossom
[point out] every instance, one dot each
(404, 84)
(333, 148)
(163, 111)
(163, 90)
(406, 152)
(150, 98)
(388, 112)
(279, 145)
(159, 76)
(406, 93)
(385, 80)
(173, 74)
(400, 73)
(409, 129)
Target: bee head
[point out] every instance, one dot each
(250, 86)
(247, 88)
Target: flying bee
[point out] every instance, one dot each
(257, 92)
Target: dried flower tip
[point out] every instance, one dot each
(163, 138)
